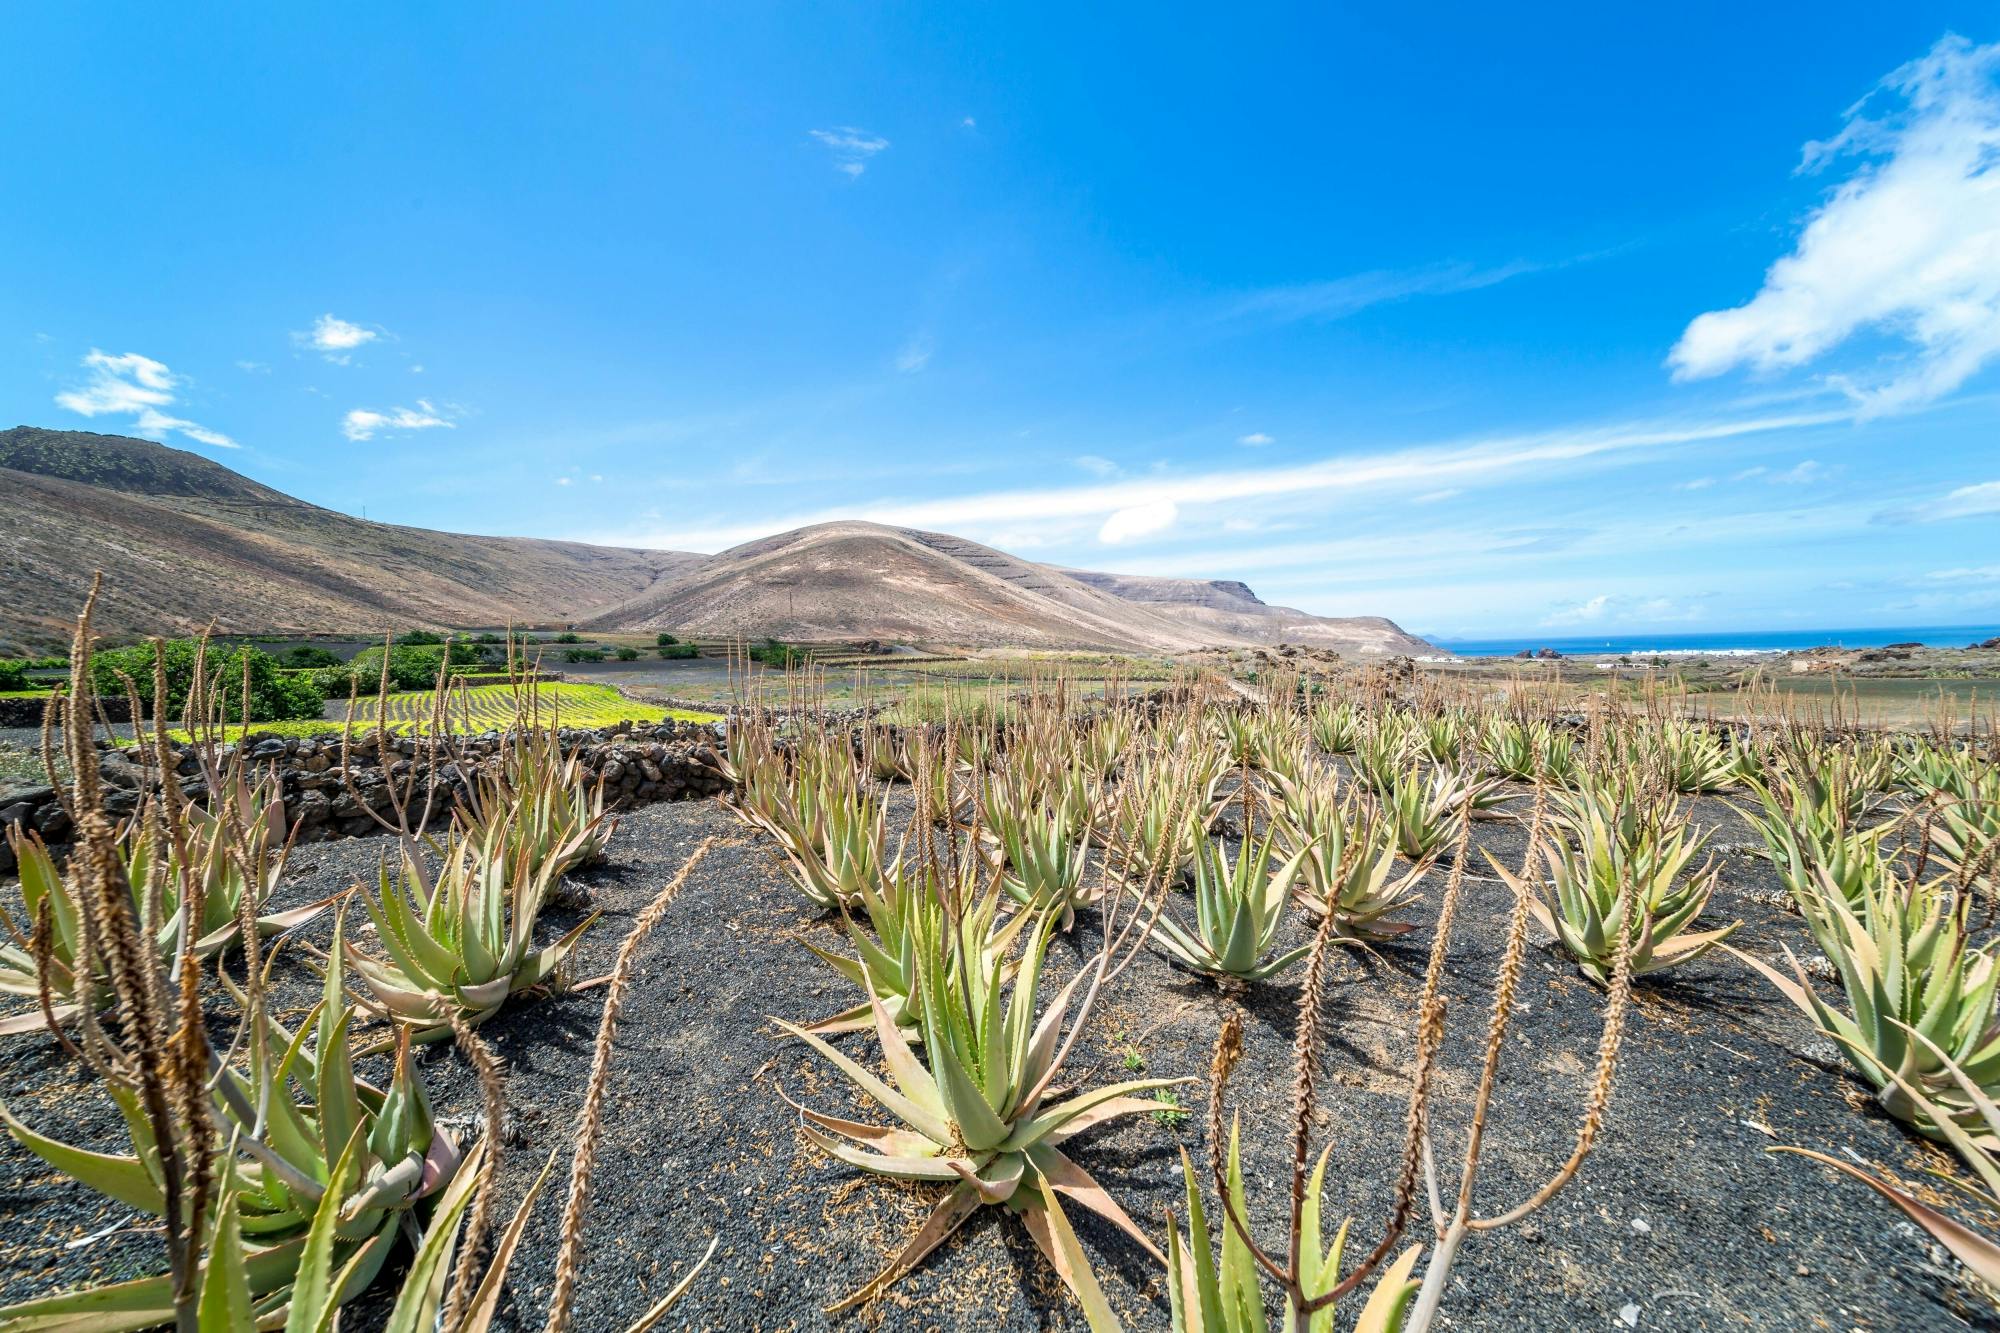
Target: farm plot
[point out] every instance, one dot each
(493, 707)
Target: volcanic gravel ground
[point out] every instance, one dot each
(1680, 1219)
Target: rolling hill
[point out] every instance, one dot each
(184, 540)
(854, 580)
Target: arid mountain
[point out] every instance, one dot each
(183, 541)
(1226, 611)
(866, 581)
(856, 580)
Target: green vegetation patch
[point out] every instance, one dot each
(486, 708)
(491, 707)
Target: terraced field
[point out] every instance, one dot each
(492, 707)
(479, 708)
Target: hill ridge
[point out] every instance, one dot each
(186, 541)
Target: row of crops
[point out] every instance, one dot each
(493, 707)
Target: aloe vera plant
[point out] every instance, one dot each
(461, 941)
(910, 927)
(1692, 759)
(1920, 1025)
(973, 1112)
(1349, 862)
(1816, 850)
(1239, 906)
(216, 858)
(303, 1127)
(1425, 812)
(1045, 859)
(1336, 728)
(1211, 1295)
(1629, 873)
(541, 803)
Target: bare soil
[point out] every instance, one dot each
(1681, 1219)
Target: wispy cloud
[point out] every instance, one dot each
(1096, 466)
(335, 338)
(914, 355)
(1256, 439)
(1965, 502)
(1080, 508)
(852, 148)
(128, 384)
(365, 423)
(1908, 245)
(1336, 298)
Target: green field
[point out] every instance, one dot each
(482, 708)
(492, 707)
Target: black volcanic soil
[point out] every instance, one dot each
(1681, 1219)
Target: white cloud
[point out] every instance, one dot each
(1336, 298)
(1624, 609)
(365, 423)
(1255, 439)
(1805, 474)
(1908, 245)
(1965, 502)
(335, 338)
(915, 355)
(1142, 520)
(1436, 497)
(128, 384)
(852, 148)
(562, 481)
(969, 123)
(253, 367)
(597, 476)
(1968, 574)
(1096, 466)
(1416, 469)
(1579, 613)
(1696, 484)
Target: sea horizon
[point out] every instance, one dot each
(1718, 642)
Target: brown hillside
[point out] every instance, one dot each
(183, 540)
(867, 581)
(1226, 611)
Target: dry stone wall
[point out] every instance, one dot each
(329, 794)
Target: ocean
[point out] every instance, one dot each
(1726, 643)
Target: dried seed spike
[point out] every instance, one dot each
(585, 1160)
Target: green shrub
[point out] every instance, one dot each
(419, 638)
(666, 641)
(489, 637)
(772, 653)
(13, 675)
(333, 681)
(274, 696)
(584, 654)
(568, 638)
(626, 654)
(412, 667)
(305, 655)
(675, 651)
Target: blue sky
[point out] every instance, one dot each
(1492, 321)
